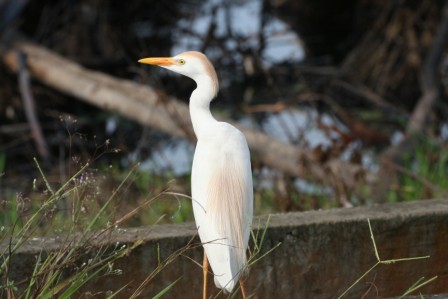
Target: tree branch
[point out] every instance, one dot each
(30, 107)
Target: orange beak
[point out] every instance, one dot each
(160, 61)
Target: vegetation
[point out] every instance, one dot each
(418, 284)
(74, 215)
(424, 174)
(371, 71)
(61, 273)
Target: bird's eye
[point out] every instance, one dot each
(181, 61)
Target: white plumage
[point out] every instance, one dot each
(222, 201)
(221, 178)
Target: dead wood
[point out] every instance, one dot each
(150, 108)
(30, 107)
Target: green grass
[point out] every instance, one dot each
(424, 174)
(91, 202)
(79, 212)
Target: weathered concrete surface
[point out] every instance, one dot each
(322, 253)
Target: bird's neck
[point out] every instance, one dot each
(200, 99)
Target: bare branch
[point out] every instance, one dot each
(30, 107)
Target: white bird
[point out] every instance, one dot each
(221, 178)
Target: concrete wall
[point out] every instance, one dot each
(321, 254)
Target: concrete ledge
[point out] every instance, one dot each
(322, 253)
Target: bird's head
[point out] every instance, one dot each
(191, 64)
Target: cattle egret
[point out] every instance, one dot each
(221, 177)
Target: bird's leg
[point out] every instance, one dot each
(205, 272)
(243, 291)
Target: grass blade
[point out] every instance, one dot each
(165, 290)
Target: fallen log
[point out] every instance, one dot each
(151, 108)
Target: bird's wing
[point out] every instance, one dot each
(226, 214)
(223, 202)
